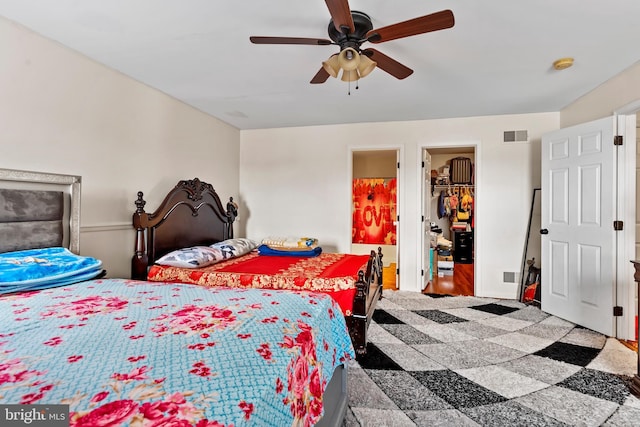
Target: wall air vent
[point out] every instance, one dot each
(509, 277)
(516, 136)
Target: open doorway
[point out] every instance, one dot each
(449, 201)
(374, 209)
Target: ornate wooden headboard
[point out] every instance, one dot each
(39, 210)
(191, 214)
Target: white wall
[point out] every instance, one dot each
(62, 113)
(604, 100)
(374, 164)
(297, 181)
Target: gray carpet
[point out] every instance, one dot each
(467, 361)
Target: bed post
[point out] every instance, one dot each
(140, 260)
(232, 213)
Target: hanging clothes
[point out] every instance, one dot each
(466, 205)
(453, 201)
(447, 205)
(466, 202)
(441, 208)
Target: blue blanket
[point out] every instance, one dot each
(266, 250)
(40, 268)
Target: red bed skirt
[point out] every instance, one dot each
(330, 273)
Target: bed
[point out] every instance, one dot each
(192, 215)
(119, 351)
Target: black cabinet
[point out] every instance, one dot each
(463, 247)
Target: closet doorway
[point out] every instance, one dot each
(449, 201)
(374, 195)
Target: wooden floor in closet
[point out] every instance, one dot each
(461, 283)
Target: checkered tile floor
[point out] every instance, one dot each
(467, 361)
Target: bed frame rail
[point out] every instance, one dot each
(368, 290)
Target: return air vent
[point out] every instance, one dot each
(516, 136)
(509, 277)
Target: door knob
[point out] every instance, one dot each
(544, 231)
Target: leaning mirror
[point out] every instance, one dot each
(530, 270)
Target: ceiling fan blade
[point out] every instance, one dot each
(341, 15)
(424, 24)
(320, 77)
(289, 40)
(388, 64)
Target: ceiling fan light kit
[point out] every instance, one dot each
(350, 62)
(350, 29)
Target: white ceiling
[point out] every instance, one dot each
(497, 59)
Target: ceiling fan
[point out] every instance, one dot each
(350, 29)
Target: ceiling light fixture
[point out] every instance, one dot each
(563, 63)
(354, 65)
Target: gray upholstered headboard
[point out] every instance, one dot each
(39, 210)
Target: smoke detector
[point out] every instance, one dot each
(563, 63)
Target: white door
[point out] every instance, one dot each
(426, 218)
(578, 210)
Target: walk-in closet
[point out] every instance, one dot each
(451, 200)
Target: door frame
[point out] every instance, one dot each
(477, 231)
(626, 205)
(425, 229)
(399, 149)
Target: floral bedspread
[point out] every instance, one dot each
(124, 352)
(331, 273)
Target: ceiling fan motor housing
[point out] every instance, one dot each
(362, 24)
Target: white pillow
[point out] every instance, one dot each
(232, 248)
(193, 257)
